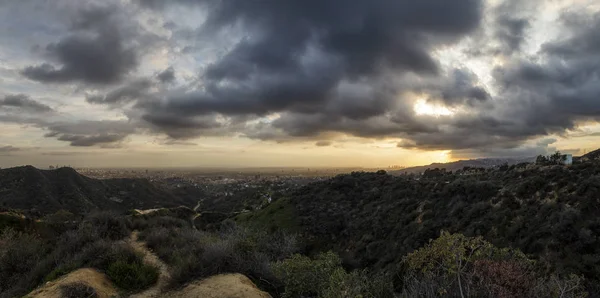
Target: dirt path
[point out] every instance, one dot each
(152, 259)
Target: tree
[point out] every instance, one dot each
(557, 158)
(541, 160)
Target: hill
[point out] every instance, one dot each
(458, 165)
(47, 191)
(594, 155)
(373, 219)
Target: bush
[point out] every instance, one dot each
(303, 276)
(358, 284)
(19, 252)
(455, 266)
(132, 275)
(324, 277)
(78, 290)
(194, 254)
(109, 225)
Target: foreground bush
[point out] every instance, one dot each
(323, 276)
(303, 276)
(132, 276)
(457, 266)
(27, 261)
(194, 254)
(19, 253)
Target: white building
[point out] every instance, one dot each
(568, 159)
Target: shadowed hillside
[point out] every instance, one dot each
(47, 191)
(373, 219)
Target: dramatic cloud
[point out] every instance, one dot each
(95, 52)
(476, 77)
(25, 103)
(306, 56)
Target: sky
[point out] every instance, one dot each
(315, 83)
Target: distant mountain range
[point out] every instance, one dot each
(474, 163)
(484, 163)
(47, 191)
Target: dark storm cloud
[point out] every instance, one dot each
(25, 103)
(87, 133)
(456, 88)
(297, 54)
(178, 127)
(132, 91)
(167, 75)
(94, 52)
(513, 18)
(511, 33)
(88, 141)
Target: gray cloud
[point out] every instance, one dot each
(25, 103)
(86, 133)
(549, 94)
(95, 51)
(307, 57)
(167, 75)
(132, 91)
(511, 33)
(8, 149)
(312, 70)
(513, 18)
(87, 141)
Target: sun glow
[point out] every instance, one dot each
(422, 107)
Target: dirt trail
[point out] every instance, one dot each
(152, 259)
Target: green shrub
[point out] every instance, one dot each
(303, 276)
(324, 277)
(358, 284)
(132, 276)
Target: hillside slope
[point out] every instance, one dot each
(373, 219)
(458, 165)
(47, 191)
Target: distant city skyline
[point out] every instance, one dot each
(337, 83)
